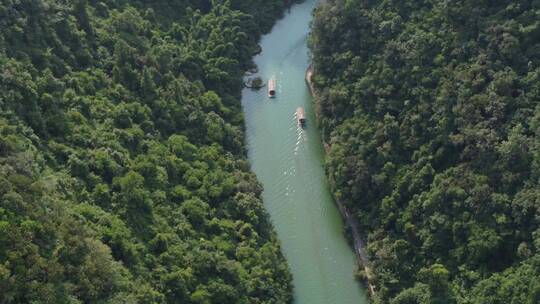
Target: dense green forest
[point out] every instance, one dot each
(431, 109)
(123, 170)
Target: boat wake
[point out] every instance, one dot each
(301, 136)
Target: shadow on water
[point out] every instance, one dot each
(298, 46)
(288, 160)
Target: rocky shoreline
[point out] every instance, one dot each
(350, 221)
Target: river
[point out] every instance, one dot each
(288, 160)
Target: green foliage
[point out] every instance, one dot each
(123, 175)
(430, 110)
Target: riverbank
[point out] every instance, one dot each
(350, 221)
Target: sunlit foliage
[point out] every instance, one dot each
(123, 176)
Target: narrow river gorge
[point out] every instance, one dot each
(288, 160)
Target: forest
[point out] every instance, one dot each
(431, 112)
(124, 176)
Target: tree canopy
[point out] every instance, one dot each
(430, 109)
(123, 172)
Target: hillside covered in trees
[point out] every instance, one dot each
(431, 109)
(123, 171)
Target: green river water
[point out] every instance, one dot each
(288, 161)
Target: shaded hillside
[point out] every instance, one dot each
(431, 110)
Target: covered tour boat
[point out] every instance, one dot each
(272, 88)
(301, 116)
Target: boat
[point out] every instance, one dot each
(301, 116)
(272, 88)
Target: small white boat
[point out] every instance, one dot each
(301, 116)
(272, 88)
